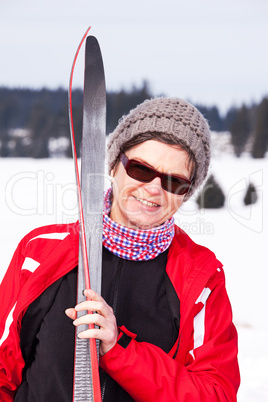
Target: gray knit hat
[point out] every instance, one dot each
(172, 116)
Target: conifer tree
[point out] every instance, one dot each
(240, 129)
(211, 196)
(251, 195)
(261, 130)
(39, 121)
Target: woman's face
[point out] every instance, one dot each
(146, 205)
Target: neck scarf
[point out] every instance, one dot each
(132, 244)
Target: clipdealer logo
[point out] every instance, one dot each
(195, 221)
(31, 193)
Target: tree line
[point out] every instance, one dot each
(29, 119)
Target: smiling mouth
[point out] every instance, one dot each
(147, 203)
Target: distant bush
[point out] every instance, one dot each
(211, 196)
(251, 195)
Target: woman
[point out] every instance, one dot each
(165, 321)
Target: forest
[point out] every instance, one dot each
(33, 123)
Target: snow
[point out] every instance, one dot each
(40, 192)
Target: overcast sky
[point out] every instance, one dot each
(207, 51)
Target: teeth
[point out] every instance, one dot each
(150, 204)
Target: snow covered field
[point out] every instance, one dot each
(39, 192)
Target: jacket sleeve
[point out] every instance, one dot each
(208, 372)
(11, 360)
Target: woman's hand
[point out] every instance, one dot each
(104, 318)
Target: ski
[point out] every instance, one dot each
(90, 199)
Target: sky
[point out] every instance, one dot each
(209, 52)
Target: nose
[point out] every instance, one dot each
(154, 186)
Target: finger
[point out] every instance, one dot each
(71, 313)
(92, 295)
(105, 336)
(95, 319)
(93, 333)
(89, 306)
(100, 306)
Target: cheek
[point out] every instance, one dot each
(175, 202)
(118, 180)
(123, 186)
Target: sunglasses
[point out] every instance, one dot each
(140, 171)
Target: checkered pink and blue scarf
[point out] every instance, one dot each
(132, 244)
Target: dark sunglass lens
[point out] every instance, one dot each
(138, 171)
(175, 185)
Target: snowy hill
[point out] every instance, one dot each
(39, 192)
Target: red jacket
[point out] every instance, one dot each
(205, 366)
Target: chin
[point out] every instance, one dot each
(143, 224)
